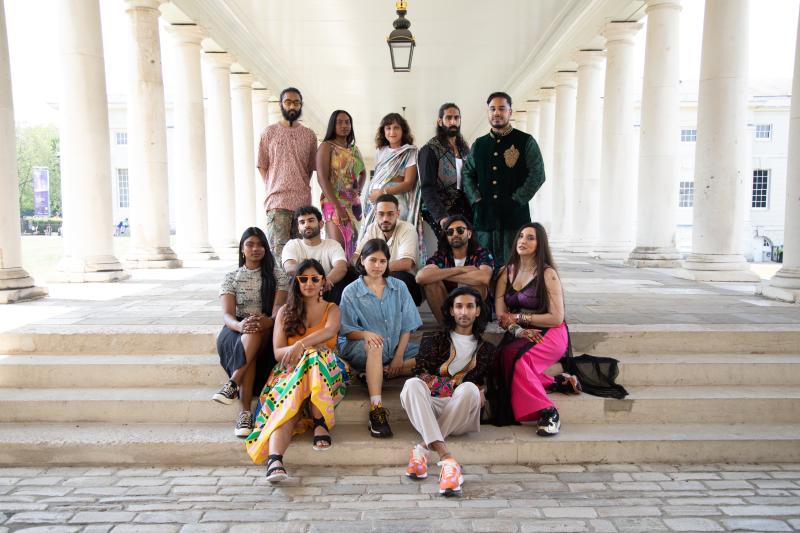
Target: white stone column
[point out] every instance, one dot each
(15, 283)
(617, 192)
(521, 120)
(260, 121)
(546, 140)
(85, 152)
(191, 225)
(563, 154)
(659, 156)
(533, 117)
(588, 138)
(243, 163)
(785, 284)
(274, 114)
(219, 140)
(147, 141)
(720, 156)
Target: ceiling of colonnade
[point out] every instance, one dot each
(335, 51)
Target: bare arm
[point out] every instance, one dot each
(338, 271)
(402, 344)
(283, 348)
(323, 173)
(432, 273)
(409, 180)
(555, 310)
(500, 292)
(474, 276)
(401, 265)
(229, 312)
(290, 267)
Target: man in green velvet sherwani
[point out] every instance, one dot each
(502, 173)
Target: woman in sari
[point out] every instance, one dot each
(395, 170)
(341, 174)
(530, 306)
(308, 381)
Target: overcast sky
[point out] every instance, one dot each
(36, 76)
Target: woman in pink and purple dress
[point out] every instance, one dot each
(530, 306)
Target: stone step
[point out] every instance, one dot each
(738, 404)
(598, 339)
(203, 370)
(214, 444)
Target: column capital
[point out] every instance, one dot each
(590, 58)
(222, 60)
(143, 4)
(546, 94)
(567, 78)
(621, 32)
(662, 4)
(260, 95)
(186, 33)
(241, 80)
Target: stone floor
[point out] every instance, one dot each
(601, 498)
(597, 293)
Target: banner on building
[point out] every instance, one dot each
(41, 191)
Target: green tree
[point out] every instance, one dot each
(38, 146)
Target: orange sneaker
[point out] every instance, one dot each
(450, 478)
(417, 463)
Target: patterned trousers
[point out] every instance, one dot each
(280, 228)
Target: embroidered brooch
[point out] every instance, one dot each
(511, 156)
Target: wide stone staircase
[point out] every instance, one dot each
(141, 395)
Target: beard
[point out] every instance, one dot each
(457, 242)
(291, 115)
(310, 233)
(452, 131)
(499, 123)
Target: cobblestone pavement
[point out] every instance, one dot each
(601, 498)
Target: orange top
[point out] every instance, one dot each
(330, 343)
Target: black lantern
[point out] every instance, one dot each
(400, 41)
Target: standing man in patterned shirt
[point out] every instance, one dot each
(459, 261)
(286, 156)
(503, 171)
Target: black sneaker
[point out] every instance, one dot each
(228, 393)
(244, 425)
(379, 422)
(549, 422)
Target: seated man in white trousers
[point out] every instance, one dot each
(446, 396)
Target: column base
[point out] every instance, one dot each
(580, 247)
(654, 257)
(197, 253)
(717, 267)
(784, 285)
(618, 251)
(16, 286)
(90, 269)
(160, 257)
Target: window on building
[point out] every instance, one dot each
(688, 136)
(122, 187)
(763, 131)
(686, 194)
(122, 137)
(760, 188)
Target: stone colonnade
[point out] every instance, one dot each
(599, 203)
(238, 109)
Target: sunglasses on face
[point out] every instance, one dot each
(452, 231)
(304, 279)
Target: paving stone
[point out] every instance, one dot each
(727, 484)
(775, 484)
(586, 477)
(41, 517)
(690, 476)
(189, 489)
(555, 469)
(756, 524)
(376, 514)
(140, 472)
(204, 528)
(692, 524)
(635, 485)
(98, 528)
(691, 510)
(511, 469)
(744, 475)
(761, 510)
(187, 472)
(146, 528)
(159, 490)
(608, 512)
(40, 481)
(343, 527)
(520, 512)
(533, 526)
(5, 481)
(100, 491)
(94, 481)
(43, 491)
(45, 529)
(613, 468)
(270, 527)
(243, 516)
(168, 517)
(476, 503)
(649, 476)
(141, 481)
(495, 525)
(160, 506)
(681, 485)
(638, 525)
(195, 480)
(90, 517)
(586, 487)
(772, 500)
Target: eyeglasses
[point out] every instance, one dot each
(304, 279)
(452, 231)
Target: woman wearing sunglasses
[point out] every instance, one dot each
(250, 296)
(308, 381)
(378, 317)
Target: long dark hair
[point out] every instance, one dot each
(444, 244)
(330, 135)
(369, 248)
(294, 312)
(393, 118)
(543, 259)
(268, 282)
(479, 326)
(441, 131)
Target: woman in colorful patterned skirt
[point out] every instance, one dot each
(530, 306)
(308, 381)
(341, 174)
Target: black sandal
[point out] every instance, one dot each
(565, 384)
(318, 439)
(276, 474)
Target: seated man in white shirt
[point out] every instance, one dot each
(402, 239)
(328, 252)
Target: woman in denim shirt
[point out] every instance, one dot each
(378, 316)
